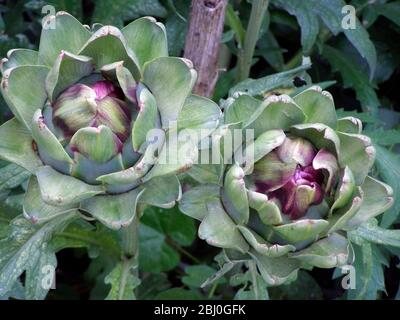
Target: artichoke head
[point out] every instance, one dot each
(85, 106)
(292, 193)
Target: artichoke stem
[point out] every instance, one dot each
(130, 245)
(130, 239)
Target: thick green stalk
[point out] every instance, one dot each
(258, 10)
(130, 238)
(130, 247)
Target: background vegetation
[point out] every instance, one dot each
(359, 67)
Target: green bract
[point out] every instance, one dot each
(84, 107)
(288, 205)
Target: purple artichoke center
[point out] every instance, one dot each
(82, 106)
(303, 190)
(292, 175)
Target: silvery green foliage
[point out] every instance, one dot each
(291, 205)
(84, 105)
(27, 249)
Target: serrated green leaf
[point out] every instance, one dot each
(387, 51)
(39, 279)
(81, 234)
(176, 31)
(389, 10)
(122, 281)
(24, 248)
(152, 285)
(226, 267)
(369, 272)
(257, 290)
(171, 223)
(370, 231)
(384, 137)
(260, 86)
(353, 77)
(388, 165)
(155, 254)
(17, 292)
(197, 275)
(233, 20)
(310, 13)
(12, 176)
(307, 18)
(271, 51)
(7, 214)
(303, 288)
(118, 11)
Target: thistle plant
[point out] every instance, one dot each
(85, 106)
(289, 197)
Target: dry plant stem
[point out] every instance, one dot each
(258, 10)
(203, 42)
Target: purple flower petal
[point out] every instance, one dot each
(293, 175)
(271, 173)
(103, 89)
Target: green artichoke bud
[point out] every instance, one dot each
(86, 105)
(289, 204)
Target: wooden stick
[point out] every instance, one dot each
(203, 42)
